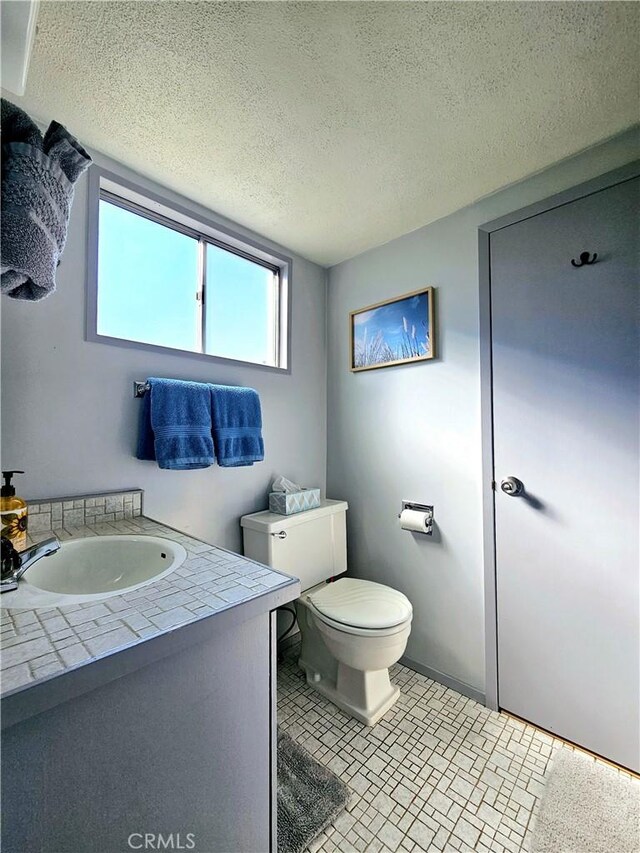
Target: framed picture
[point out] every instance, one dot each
(396, 331)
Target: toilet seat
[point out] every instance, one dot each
(355, 631)
(360, 607)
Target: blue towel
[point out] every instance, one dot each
(175, 425)
(146, 441)
(237, 425)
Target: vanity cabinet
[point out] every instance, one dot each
(173, 737)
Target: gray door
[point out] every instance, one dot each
(566, 357)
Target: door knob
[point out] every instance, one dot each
(512, 486)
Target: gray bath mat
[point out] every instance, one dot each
(309, 796)
(587, 807)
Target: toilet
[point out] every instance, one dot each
(352, 630)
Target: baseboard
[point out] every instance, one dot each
(447, 680)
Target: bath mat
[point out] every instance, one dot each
(309, 796)
(587, 807)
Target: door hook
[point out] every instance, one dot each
(584, 259)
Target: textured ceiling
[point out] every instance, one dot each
(334, 127)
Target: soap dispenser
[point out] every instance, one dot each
(13, 513)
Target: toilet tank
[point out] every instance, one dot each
(310, 545)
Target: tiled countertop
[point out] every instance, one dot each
(41, 644)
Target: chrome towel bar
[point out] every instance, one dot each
(140, 388)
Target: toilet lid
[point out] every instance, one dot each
(362, 604)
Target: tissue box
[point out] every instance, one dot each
(294, 502)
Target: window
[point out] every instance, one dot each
(165, 279)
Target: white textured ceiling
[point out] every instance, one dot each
(333, 127)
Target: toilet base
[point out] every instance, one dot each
(367, 696)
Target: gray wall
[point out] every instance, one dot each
(70, 420)
(413, 432)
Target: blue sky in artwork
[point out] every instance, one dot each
(148, 279)
(388, 319)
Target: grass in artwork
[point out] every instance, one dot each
(396, 331)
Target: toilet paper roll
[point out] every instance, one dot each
(413, 519)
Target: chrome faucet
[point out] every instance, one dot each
(15, 564)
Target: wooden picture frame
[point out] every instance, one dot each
(396, 331)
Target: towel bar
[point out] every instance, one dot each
(140, 388)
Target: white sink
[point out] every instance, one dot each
(94, 568)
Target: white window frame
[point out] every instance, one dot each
(110, 187)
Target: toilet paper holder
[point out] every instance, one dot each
(426, 508)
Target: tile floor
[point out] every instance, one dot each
(439, 772)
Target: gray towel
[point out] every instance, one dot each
(38, 175)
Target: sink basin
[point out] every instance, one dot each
(95, 568)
